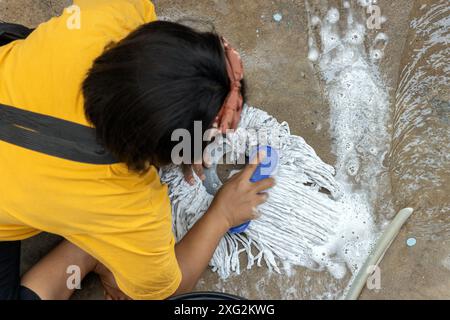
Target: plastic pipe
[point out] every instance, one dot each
(383, 244)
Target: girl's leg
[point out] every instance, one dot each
(48, 278)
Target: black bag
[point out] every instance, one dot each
(10, 32)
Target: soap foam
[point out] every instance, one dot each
(359, 115)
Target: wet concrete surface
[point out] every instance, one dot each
(284, 83)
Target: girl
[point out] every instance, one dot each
(133, 81)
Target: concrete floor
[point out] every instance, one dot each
(284, 83)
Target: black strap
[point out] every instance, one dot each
(10, 32)
(51, 136)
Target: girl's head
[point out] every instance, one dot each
(162, 77)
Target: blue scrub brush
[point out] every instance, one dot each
(264, 170)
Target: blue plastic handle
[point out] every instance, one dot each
(264, 170)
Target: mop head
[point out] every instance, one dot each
(300, 214)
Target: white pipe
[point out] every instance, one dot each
(378, 252)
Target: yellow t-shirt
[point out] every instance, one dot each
(119, 217)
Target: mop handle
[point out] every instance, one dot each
(263, 171)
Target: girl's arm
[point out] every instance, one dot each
(234, 204)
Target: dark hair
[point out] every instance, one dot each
(162, 77)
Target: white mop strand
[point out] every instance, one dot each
(297, 217)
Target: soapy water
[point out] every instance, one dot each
(358, 98)
(359, 118)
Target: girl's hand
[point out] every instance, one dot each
(238, 199)
(234, 204)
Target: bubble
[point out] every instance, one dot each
(354, 37)
(376, 54)
(333, 16)
(315, 20)
(411, 242)
(381, 37)
(277, 17)
(352, 168)
(331, 40)
(364, 3)
(313, 54)
(348, 146)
